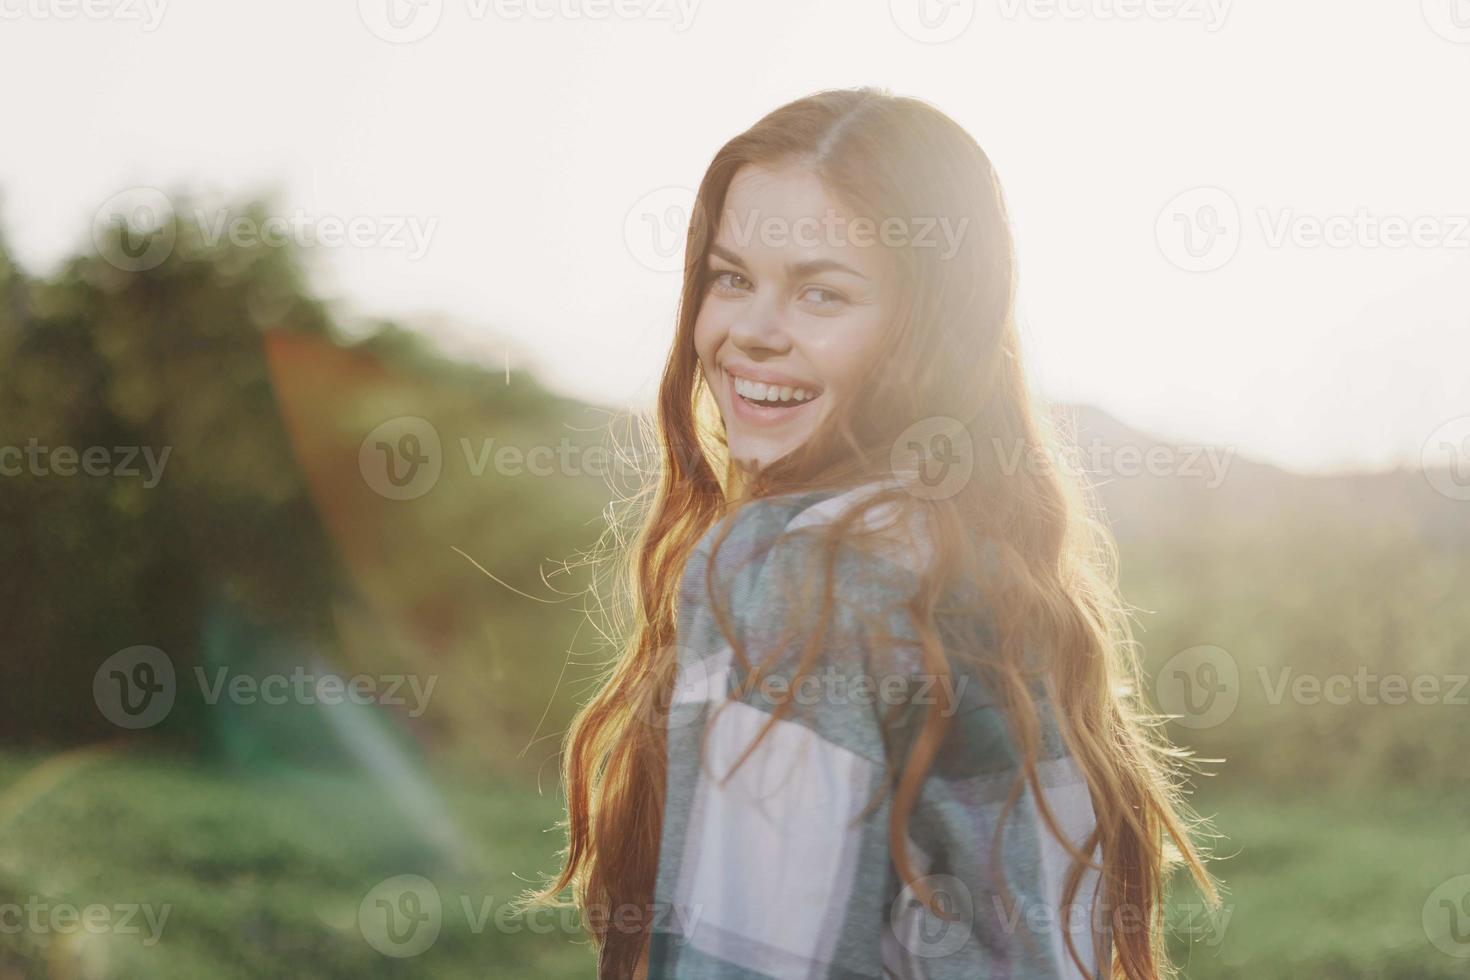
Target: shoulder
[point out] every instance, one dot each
(841, 567)
(875, 528)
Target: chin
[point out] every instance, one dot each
(757, 455)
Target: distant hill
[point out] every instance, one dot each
(1215, 487)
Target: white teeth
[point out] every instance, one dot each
(760, 391)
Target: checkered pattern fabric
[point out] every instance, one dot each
(781, 867)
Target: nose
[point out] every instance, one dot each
(760, 331)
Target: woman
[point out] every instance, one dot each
(877, 714)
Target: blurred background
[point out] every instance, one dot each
(324, 333)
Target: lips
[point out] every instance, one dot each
(771, 386)
(772, 407)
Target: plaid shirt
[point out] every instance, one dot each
(784, 869)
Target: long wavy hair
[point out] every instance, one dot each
(951, 351)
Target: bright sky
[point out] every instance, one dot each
(1307, 301)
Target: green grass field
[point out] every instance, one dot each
(265, 876)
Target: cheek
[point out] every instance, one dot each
(839, 356)
(708, 335)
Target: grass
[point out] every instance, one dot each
(1329, 886)
(266, 875)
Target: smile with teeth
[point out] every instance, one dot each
(768, 394)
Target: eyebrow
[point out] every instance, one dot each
(794, 270)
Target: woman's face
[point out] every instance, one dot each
(791, 313)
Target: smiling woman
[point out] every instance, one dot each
(978, 792)
(784, 330)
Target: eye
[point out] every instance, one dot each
(822, 298)
(729, 282)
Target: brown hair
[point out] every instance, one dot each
(952, 352)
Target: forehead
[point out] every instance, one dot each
(772, 214)
(787, 192)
